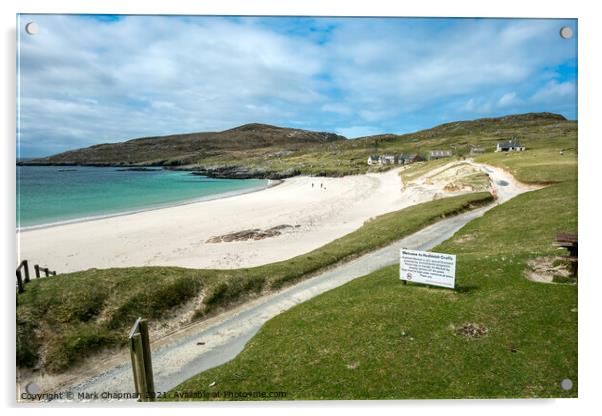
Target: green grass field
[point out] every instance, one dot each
(370, 338)
(349, 157)
(537, 165)
(375, 338)
(71, 316)
(538, 132)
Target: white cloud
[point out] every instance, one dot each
(555, 91)
(407, 68)
(84, 81)
(477, 106)
(158, 75)
(337, 108)
(353, 132)
(509, 99)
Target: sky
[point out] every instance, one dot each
(90, 79)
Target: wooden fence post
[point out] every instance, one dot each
(36, 267)
(25, 264)
(142, 367)
(19, 282)
(139, 370)
(148, 364)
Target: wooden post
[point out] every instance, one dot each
(142, 366)
(138, 367)
(36, 267)
(46, 271)
(19, 282)
(25, 265)
(134, 362)
(146, 355)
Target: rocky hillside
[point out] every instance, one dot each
(184, 149)
(262, 151)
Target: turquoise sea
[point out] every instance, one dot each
(51, 194)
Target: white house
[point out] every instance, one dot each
(511, 145)
(439, 154)
(373, 160)
(401, 159)
(477, 151)
(387, 159)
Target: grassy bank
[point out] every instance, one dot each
(415, 170)
(65, 318)
(540, 133)
(464, 175)
(544, 166)
(375, 338)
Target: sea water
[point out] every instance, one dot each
(55, 194)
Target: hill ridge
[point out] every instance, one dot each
(257, 150)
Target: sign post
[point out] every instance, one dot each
(436, 269)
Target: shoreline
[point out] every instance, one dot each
(309, 211)
(224, 195)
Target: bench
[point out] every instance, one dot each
(569, 242)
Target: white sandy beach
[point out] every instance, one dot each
(176, 236)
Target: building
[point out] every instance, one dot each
(511, 145)
(387, 160)
(477, 151)
(401, 159)
(439, 154)
(373, 160)
(414, 158)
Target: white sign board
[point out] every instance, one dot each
(437, 269)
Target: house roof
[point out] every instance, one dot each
(510, 143)
(440, 152)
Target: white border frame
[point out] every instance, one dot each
(589, 151)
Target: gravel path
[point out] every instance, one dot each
(210, 343)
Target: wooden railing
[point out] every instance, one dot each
(23, 276)
(23, 267)
(46, 271)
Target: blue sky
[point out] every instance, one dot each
(86, 80)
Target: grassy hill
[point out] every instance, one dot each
(534, 130)
(62, 319)
(375, 338)
(257, 150)
(248, 141)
